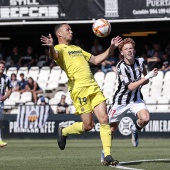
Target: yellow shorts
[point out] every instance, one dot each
(86, 98)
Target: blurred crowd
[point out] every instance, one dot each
(154, 57)
(153, 54)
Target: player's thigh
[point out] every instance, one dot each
(117, 112)
(101, 113)
(140, 110)
(99, 105)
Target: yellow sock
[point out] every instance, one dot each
(75, 128)
(106, 137)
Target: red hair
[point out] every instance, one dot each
(126, 41)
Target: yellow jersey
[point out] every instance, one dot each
(74, 61)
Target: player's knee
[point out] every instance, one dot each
(145, 120)
(104, 119)
(88, 127)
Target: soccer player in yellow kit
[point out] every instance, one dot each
(85, 92)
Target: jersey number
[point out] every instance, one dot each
(82, 100)
(112, 112)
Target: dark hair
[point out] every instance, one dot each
(31, 79)
(13, 74)
(31, 86)
(22, 74)
(2, 62)
(58, 26)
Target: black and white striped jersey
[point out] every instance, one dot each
(126, 75)
(5, 82)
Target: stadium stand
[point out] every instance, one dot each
(156, 93)
(26, 97)
(23, 70)
(11, 70)
(33, 72)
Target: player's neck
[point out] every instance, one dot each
(129, 62)
(63, 42)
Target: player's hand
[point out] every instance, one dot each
(3, 98)
(151, 74)
(116, 41)
(47, 41)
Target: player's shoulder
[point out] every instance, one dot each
(120, 64)
(6, 77)
(61, 47)
(140, 59)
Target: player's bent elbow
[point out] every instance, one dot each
(94, 60)
(131, 87)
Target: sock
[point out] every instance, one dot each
(0, 135)
(136, 127)
(75, 128)
(106, 138)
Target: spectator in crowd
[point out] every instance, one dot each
(29, 59)
(22, 83)
(77, 42)
(49, 62)
(155, 48)
(33, 87)
(42, 99)
(166, 63)
(109, 64)
(45, 55)
(62, 107)
(154, 62)
(14, 82)
(167, 49)
(96, 50)
(15, 57)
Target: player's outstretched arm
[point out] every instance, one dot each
(102, 57)
(134, 85)
(48, 41)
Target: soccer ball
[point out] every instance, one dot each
(101, 28)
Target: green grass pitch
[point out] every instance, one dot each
(81, 154)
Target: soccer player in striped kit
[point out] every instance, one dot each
(128, 96)
(5, 82)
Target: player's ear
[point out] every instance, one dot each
(59, 34)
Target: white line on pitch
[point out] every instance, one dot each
(124, 167)
(119, 166)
